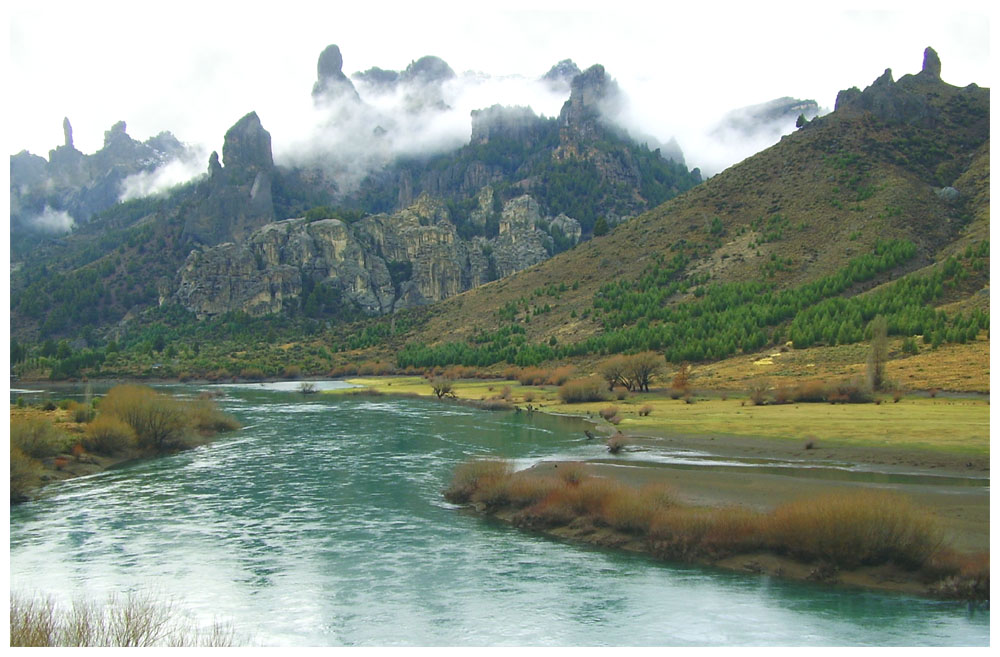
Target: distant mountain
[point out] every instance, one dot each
(50, 196)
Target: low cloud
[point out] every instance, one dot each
(351, 139)
(165, 177)
(52, 221)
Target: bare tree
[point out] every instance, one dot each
(443, 388)
(642, 368)
(613, 372)
(879, 353)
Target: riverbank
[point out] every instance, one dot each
(863, 538)
(945, 475)
(53, 442)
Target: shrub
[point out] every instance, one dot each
(529, 396)
(616, 443)
(810, 391)
(691, 533)
(471, 476)
(37, 437)
(108, 434)
(609, 412)
(758, 392)
(443, 387)
(849, 530)
(532, 376)
(645, 410)
(850, 393)
(24, 474)
(160, 422)
(523, 490)
(81, 412)
(572, 473)
(291, 372)
(206, 417)
(582, 390)
(561, 375)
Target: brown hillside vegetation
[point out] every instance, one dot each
(790, 214)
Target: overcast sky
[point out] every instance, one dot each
(194, 68)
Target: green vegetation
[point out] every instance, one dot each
(729, 318)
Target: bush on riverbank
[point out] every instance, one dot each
(24, 472)
(163, 423)
(37, 437)
(133, 621)
(868, 528)
(840, 531)
(108, 435)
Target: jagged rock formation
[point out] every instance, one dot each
(515, 123)
(331, 83)
(236, 198)
(593, 97)
(82, 185)
(382, 263)
(905, 101)
(559, 78)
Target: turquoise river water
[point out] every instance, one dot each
(321, 522)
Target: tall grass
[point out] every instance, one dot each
(850, 530)
(136, 620)
(841, 531)
(582, 390)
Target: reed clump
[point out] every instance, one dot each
(579, 391)
(856, 529)
(135, 620)
(842, 531)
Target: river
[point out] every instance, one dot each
(321, 523)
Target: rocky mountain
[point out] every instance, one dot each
(379, 264)
(904, 160)
(78, 186)
(236, 198)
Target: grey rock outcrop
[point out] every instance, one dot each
(382, 263)
(331, 83)
(515, 123)
(236, 198)
(559, 78)
(769, 119)
(905, 101)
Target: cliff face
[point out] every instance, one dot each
(236, 198)
(382, 263)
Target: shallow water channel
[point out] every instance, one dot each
(322, 523)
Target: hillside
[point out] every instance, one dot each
(879, 208)
(792, 214)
